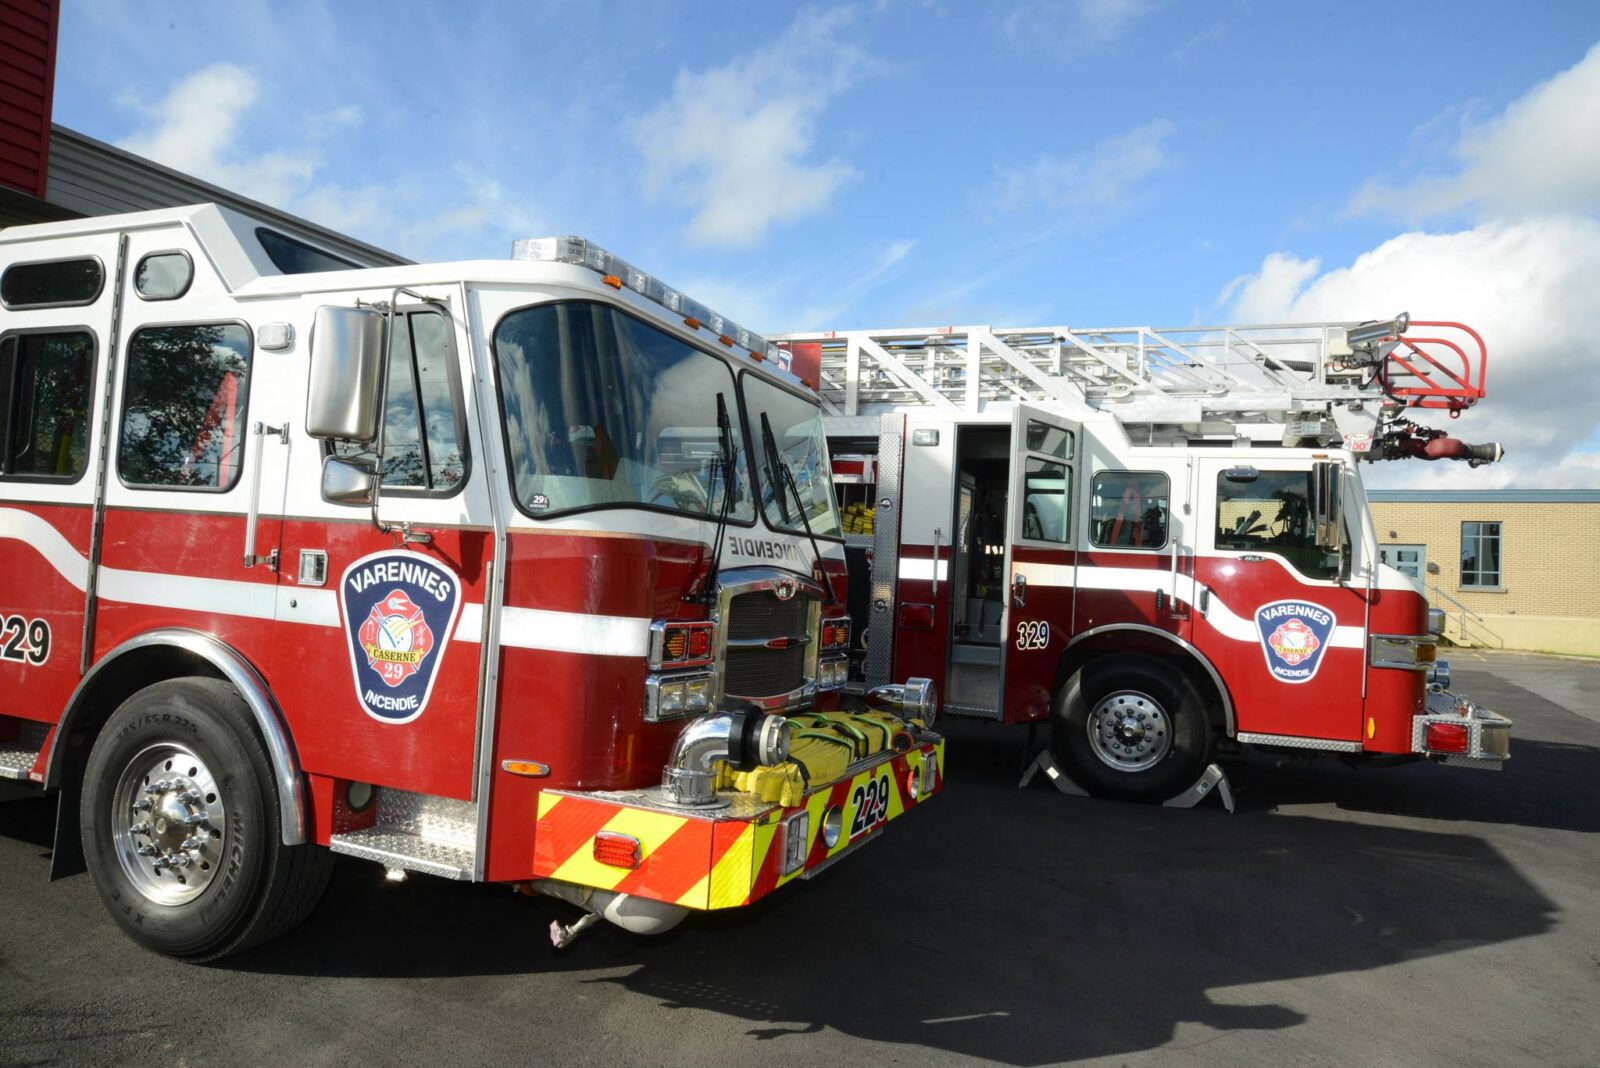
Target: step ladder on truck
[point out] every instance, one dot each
(463, 569)
(1154, 541)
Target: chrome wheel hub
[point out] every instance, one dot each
(168, 824)
(1129, 731)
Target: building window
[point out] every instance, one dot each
(1480, 555)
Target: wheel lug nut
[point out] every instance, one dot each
(148, 851)
(142, 806)
(192, 843)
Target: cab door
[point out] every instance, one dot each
(1279, 617)
(380, 684)
(1041, 559)
(924, 498)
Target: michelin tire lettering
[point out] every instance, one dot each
(1294, 637)
(399, 610)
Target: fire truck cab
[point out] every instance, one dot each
(1155, 541)
(521, 571)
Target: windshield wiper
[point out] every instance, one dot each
(708, 591)
(785, 477)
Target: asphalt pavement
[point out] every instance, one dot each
(1412, 915)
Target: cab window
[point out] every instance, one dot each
(424, 434)
(183, 407)
(1128, 510)
(1270, 512)
(45, 382)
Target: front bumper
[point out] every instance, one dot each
(1487, 742)
(740, 850)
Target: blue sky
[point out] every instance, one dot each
(1087, 162)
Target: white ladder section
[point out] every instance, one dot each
(1195, 377)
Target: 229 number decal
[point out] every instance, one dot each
(1033, 634)
(872, 805)
(24, 641)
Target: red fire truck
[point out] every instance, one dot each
(521, 571)
(1154, 540)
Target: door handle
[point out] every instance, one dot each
(1019, 589)
(936, 535)
(1161, 601)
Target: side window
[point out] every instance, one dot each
(46, 380)
(52, 284)
(424, 440)
(1128, 510)
(1047, 489)
(1270, 512)
(163, 275)
(1046, 482)
(183, 407)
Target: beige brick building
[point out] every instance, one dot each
(1513, 569)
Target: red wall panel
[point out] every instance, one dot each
(27, 84)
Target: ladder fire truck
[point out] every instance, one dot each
(520, 571)
(1156, 541)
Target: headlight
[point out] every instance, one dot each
(1403, 651)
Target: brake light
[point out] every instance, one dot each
(1448, 738)
(678, 645)
(916, 617)
(617, 850)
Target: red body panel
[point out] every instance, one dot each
(32, 588)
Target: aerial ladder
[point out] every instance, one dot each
(1329, 384)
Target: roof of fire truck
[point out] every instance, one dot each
(233, 244)
(1294, 383)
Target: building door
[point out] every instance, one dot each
(1407, 559)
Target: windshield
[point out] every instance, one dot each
(797, 436)
(602, 410)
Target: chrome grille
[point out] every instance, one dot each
(760, 672)
(761, 615)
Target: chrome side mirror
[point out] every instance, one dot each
(347, 358)
(349, 480)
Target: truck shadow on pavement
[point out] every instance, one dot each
(1018, 926)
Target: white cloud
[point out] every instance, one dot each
(1526, 286)
(1537, 157)
(795, 301)
(201, 127)
(1098, 20)
(195, 129)
(733, 143)
(1100, 177)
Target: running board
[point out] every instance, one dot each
(1213, 778)
(19, 755)
(415, 832)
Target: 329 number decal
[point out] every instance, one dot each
(24, 641)
(872, 805)
(1033, 634)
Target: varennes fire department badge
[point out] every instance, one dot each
(1294, 635)
(400, 609)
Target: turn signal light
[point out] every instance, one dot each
(1448, 738)
(617, 850)
(835, 633)
(676, 645)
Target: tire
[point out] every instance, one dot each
(1131, 728)
(207, 873)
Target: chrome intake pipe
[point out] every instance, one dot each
(746, 739)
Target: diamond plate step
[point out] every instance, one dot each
(397, 849)
(17, 757)
(415, 832)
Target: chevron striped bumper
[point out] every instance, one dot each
(732, 854)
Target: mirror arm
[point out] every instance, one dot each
(388, 307)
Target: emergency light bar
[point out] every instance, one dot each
(618, 273)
